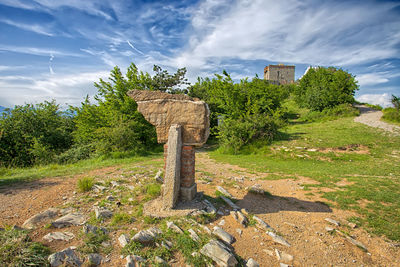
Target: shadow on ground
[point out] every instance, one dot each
(7, 189)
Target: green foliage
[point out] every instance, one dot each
(152, 190)
(396, 102)
(17, 249)
(391, 114)
(34, 134)
(336, 112)
(323, 88)
(241, 112)
(121, 218)
(376, 107)
(85, 184)
(92, 242)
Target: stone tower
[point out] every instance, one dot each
(279, 74)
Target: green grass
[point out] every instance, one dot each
(9, 176)
(85, 184)
(374, 177)
(17, 249)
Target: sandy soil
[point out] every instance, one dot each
(297, 216)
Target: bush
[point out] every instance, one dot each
(340, 111)
(323, 88)
(391, 114)
(85, 184)
(74, 154)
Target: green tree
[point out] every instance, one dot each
(113, 122)
(34, 134)
(323, 88)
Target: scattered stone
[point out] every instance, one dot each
(226, 237)
(209, 207)
(61, 236)
(332, 221)
(240, 218)
(220, 253)
(67, 257)
(239, 231)
(40, 218)
(356, 243)
(94, 259)
(283, 265)
(69, 219)
(133, 260)
(256, 189)
(206, 229)
(252, 263)
(283, 256)
(160, 260)
(244, 211)
(114, 184)
(224, 191)
(278, 239)
(123, 240)
(269, 252)
(66, 211)
(230, 203)
(88, 228)
(147, 236)
(159, 177)
(166, 244)
(193, 235)
(174, 227)
(222, 222)
(329, 229)
(102, 213)
(99, 188)
(263, 224)
(110, 198)
(352, 225)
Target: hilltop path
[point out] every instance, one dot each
(372, 118)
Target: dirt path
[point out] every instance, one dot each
(297, 215)
(372, 118)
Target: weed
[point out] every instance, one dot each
(121, 218)
(152, 191)
(85, 184)
(92, 242)
(151, 220)
(17, 249)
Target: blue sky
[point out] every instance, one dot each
(56, 49)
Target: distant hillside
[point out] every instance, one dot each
(2, 108)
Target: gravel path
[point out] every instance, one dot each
(372, 118)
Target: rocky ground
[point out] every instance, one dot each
(271, 222)
(371, 117)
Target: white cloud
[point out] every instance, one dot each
(375, 99)
(293, 31)
(38, 51)
(134, 48)
(40, 29)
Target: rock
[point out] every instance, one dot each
(193, 235)
(167, 244)
(69, 219)
(239, 231)
(98, 188)
(102, 213)
(114, 184)
(332, 221)
(133, 260)
(224, 192)
(230, 203)
(329, 229)
(172, 167)
(219, 253)
(286, 257)
(224, 236)
(209, 206)
(40, 218)
(159, 177)
(240, 218)
(206, 229)
(262, 224)
(88, 228)
(278, 239)
(356, 243)
(67, 257)
(268, 252)
(283, 265)
(62, 236)
(174, 227)
(160, 260)
(123, 240)
(252, 263)
(94, 259)
(352, 225)
(147, 236)
(163, 110)
(256, 189)
(110, 198)
(222, 222)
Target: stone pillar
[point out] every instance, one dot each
(188, 188)
(172, 167)
(188, 185)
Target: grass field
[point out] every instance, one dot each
(367, 159)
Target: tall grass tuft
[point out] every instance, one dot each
(85, 184)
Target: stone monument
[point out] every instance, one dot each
(181, 124)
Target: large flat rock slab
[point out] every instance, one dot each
(163, 110)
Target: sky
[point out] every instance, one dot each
(57, 49)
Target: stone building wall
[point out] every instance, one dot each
(279, 74)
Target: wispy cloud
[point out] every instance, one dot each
(38, 51)
(134, 48)
(40, 29)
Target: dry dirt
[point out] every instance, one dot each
(372, 118)
(295, 214)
